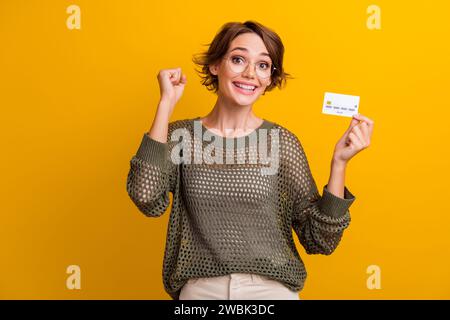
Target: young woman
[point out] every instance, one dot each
(230, 227)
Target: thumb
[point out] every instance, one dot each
(183, 79)
(353, 123)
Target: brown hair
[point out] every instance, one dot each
(220, 45)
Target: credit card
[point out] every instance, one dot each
(340, 104)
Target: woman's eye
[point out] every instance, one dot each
(236, 59)
(264, 65)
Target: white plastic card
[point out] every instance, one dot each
(340, 104)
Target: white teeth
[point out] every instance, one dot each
(243, 86)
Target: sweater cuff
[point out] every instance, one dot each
(333, 205)
(152, 151)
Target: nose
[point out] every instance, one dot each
(249, 71)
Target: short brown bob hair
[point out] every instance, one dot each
(220, 45)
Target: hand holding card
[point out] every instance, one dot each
(356, 138)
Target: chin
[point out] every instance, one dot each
(244, 101)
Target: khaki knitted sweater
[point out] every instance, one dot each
(228, 214)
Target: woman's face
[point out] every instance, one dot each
(247, 47)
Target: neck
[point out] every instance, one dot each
(227, 116)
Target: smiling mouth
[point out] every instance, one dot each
(245, 87)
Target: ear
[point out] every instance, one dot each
(213, 69)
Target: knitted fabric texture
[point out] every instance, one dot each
(228, 216)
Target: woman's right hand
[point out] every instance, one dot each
(171, 87)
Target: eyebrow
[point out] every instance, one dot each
(245, 49)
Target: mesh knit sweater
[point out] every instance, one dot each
(230, 217)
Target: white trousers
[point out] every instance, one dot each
(236, 286)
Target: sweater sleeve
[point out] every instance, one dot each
(319, 221)
(152, 176)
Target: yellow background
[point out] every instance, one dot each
(75, 104)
